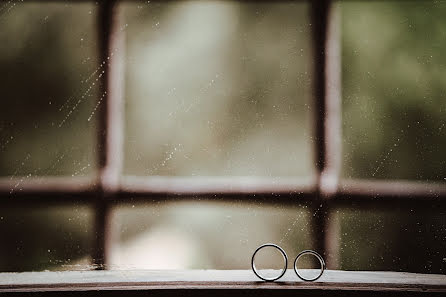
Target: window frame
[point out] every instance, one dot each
(323, 194)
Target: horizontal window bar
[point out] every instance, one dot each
(392, 189)
(216, 185)
(43, 190)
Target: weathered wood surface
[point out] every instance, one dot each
(245, 280)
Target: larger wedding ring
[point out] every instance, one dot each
(285, 258)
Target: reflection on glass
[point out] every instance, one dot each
(393, 82)
(48, 59)
(54, 238)
(218, 88)
(204, 235)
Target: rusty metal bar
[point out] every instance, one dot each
(110, 126)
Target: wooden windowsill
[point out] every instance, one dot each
(348, 282)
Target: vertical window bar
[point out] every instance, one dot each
(333, 103)
(110, 126)
(333, 131)
(327, 123)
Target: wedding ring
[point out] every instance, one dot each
(285, 258)
(319, 257)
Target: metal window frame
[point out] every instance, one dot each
(324, 193)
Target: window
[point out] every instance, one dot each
(152, 134)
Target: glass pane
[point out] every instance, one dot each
(48, 58)
(218, 88)
(393, 81)
(396, 240)
(53, 238)
(205, 235)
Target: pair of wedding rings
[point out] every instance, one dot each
(285, 258)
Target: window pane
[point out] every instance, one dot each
(204, 235)
(218, 88)
(393, 80)
(53, 238)
(48, 62)
(395, 240)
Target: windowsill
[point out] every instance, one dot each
(348, 282)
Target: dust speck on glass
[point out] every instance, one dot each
(220, 88)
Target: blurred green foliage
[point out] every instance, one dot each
(394, 81)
